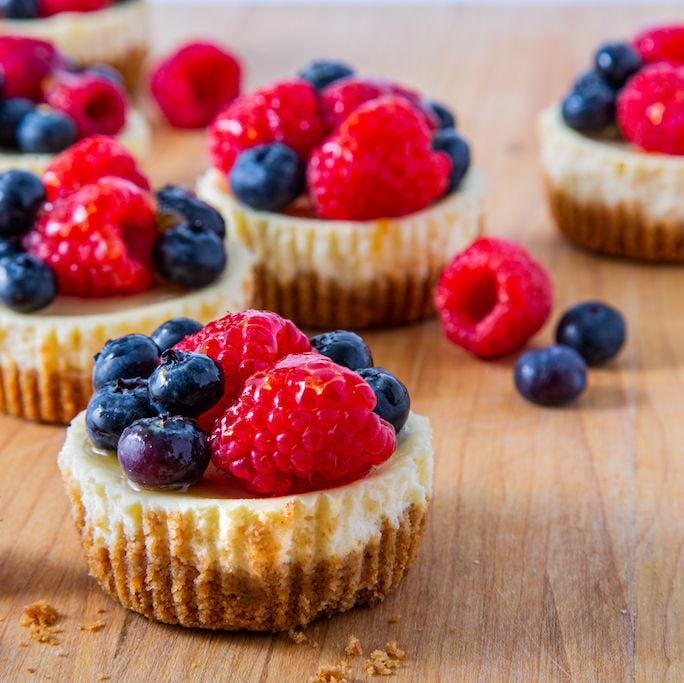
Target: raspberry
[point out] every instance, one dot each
(493, 297)
(25, 63)
(47, 8)
(98, 240)
(378, 164)
(195, 83)
(96, 104)
(303, 424)
(661, 44)
(243, 343)
(286, 112)
(88, 161)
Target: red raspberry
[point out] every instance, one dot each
(379, 164)
(661, 44)
(47, 8)
(97, 105)
(493, 297)
(195, 83)
(25, 63)
(243, 343)
(303, 424)
(286, 112)
(86, 162)
(650, 109)
(98, 240)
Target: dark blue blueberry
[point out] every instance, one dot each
(591, 79)
(322, 72)
(616, 62)
(168, 334)
(177, 199)
(595, 330)
(10, 248)
(444, 115)
(394, 402)
(268, 177)
(190, 256)
(344, 348)
(109, 73)
(115, 406)
(551, 376)
(133, 355)
(590, 109)
(27, 284)
(44, 131)
(21, 194)
(18, 9)
(12, 111)
(164, 452)
(449, 141)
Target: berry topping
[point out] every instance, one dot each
(661, 44)
(21, 194)
(394, 402)
(492, 298)
(185, 203)
(107, 72)
(26, 283)
(349, 175)
(113, 407)
(44, 131)
(98, 240)
(450, 142)
(49, 7)
(286, 112)
(9, 248)
(321, 72)
(344, 348)
(171, 332)
(303, 424)
(268, 177)
(551, 376)
(25, 63)
(88, 161)
(616, 62)
(195, 83)
(133, 355)
(12, 112)
(186, 383)
(590, 106)
(18, 9)
(650, 109)
(595, 330)
(444, 117)
(164, 453)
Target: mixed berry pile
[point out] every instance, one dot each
(90, 227)
(34, 9)
(635, 90)
(275, 411)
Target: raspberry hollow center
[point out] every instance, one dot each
(476, 296)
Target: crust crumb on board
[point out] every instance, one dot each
(353, 647)
(394, 619)
(40, 618)
(386, 661)
(93, 627)
(301, 638)
(102, 677)
(332, 673)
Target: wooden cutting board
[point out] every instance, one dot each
(554, 548)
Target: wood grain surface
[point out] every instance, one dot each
(554, 548)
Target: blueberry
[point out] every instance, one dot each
(591, 79)
(344, 348)
(177, 199)
(164, 452)
(449, 141)
(589, 109)
(44, 131)
(444, 115)
(10, 248)
(133, 355)
(109, 73)
(27, 284)
(18, 9)
(186, 383)
(595, 330)
(616, 62)
(394, 402)
(551, 376)
(268, 177)
(115, 406)
(190, 256)
(168, 334)
(21, 194)
(12, 111)
(323, 72)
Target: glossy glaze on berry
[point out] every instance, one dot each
(171, 332)
(344, 348)
(133, 355)
(394, 402)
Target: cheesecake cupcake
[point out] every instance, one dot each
(352, 194)
(88, 32)
(88, 252)
(612, 152)
(247, 481)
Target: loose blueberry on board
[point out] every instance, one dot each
(551, 376)
(190, 256)
(43, 131)
(133, 355)
(12, 111)
(177, 199)
(616, 62)
(449, 141)
(186, 383)
(268, 177)
(168, 334)
(344, 348)
(589, 109)
(18, 9)
(444, 115)
(394, 402)
(21, 194)
(322, 72)
(164, 452)
(27, 284)
(115, 406)
(595, 330)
